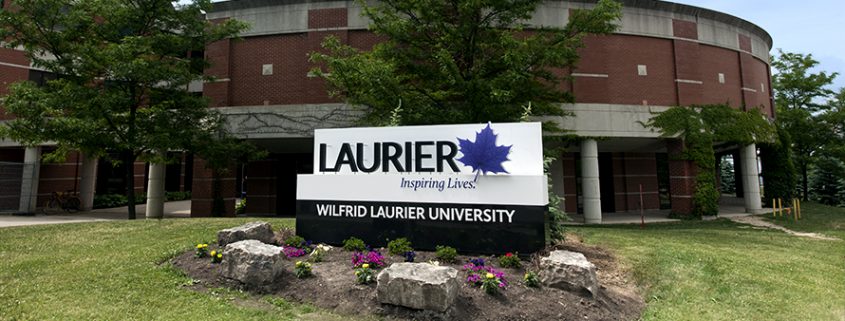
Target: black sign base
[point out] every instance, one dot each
(470, 228)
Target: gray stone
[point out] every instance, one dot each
(250, 231)
(419, 286)
(252, 262)
(568, 271)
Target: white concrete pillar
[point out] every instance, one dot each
(87, 182)
(590, 181)
(155, 191)
(750, 178)
(29, 179)
(556, 174)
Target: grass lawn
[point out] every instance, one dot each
(112, 271)
(719, 270)
(688, 271)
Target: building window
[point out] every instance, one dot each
(642, 70)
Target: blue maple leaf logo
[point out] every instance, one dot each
(483, 155)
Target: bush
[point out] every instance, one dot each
(177, 196)
(509, 260)
(446, 253)
(354, 244)
(531, 280)
(364, 274)
(116, 200)
(294, 241)
(240, 207)
(302, 269)
(399, 246)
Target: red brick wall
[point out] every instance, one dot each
(11, 74)
(201, 195)
(681, 178)
(715, 60)
(618, 57)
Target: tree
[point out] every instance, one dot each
(453, 61)
(727, 176)
(825, 185)
(778, 169)
(798, 93)
(122, 68)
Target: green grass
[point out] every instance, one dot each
(719, 270)
(687, 271)
(113, 271)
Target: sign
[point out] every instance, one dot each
(477, 188)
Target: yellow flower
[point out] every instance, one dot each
(219, 256)
(490, 275)
(298, 263)
(199, 246)
(213, 253)
(366, 266)
(205, 245)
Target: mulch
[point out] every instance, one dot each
(333, 287)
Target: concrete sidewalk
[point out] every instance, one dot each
(179, 209)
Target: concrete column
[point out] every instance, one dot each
(750, 178)
(87, 182)
(556, 173)
(155, 191)
(29, 179)
(590, 181)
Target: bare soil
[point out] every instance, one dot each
(333, 287)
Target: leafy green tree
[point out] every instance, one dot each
(460, 61)
(826, 184)
(798, 95)
(122, 70)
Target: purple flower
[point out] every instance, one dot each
(374, 258)
(291, 251)
(477, 262)
(410, 255)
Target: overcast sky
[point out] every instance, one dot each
(811, 27)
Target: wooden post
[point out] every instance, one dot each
(780, 206)
(774, 208)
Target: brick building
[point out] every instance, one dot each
(663, 55)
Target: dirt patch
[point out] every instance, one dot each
(759, 222)
(333, 288)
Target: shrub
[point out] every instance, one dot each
(364, 274)
(399, 246)
(294, 241)
(302, 269)
(446, 253)
(177, 196)
(531, 279)
(240, 207)
(354, 244)
(509, 260)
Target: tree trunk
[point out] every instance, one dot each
(129, 162)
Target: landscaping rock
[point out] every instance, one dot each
(419, 286)
(252, 263)
(568, 271)
(250, 231)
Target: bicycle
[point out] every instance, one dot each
(67, 201)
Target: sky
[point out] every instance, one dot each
(814, 27)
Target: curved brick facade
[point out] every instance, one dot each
(664, 54)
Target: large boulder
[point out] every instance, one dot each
(253, 263)
(568, 271)
(419, 286)
(250, 231)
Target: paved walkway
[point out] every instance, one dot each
(179, 209)
(759, 222)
